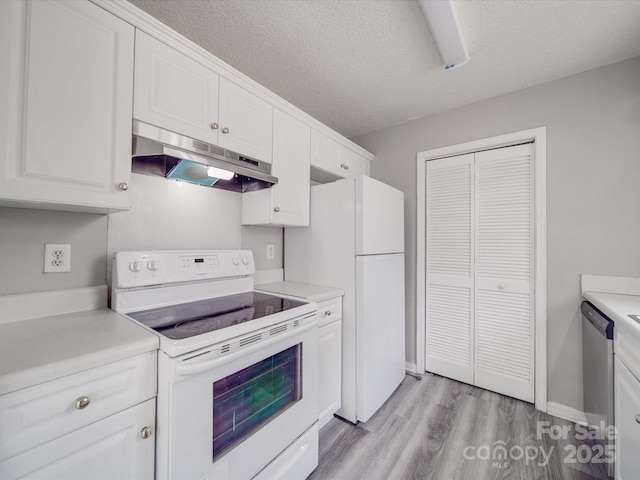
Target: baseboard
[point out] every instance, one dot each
(566, 413)
(411, 367)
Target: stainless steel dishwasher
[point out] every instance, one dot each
(597, 370)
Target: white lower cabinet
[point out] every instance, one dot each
(627, 421)
(118, 447)
(66, 92)
(330, 359)
(99, 423)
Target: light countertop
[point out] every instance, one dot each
(618, 307)
(313, 293)
(37, 350)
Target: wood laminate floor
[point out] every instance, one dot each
(439, 429)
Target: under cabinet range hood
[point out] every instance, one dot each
(157, 151)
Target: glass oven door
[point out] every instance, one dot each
(228, 416)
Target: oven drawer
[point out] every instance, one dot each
(329, 311)
(35, 415)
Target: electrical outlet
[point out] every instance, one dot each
(271, 251)
(57, 258)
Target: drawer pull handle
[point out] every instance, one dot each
(327, 313)
(637, 417)
(82, 402)
(146, 432)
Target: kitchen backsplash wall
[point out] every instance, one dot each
(165, 215)
(593, 199)
(257, 239)
(170, 215)
(23, 233)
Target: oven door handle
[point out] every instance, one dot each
(204, 362)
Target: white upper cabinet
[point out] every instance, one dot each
(246, 122)
(355, 164)
(66, 91)
(287, 202)
(175, 92)
(336, 159)
(326, 154)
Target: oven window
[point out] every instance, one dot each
(246, 400)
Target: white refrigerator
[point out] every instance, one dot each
(356, 242)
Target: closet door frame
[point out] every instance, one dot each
(539, 137)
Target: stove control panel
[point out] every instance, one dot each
(140, 269)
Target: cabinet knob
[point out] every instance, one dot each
(346, 167)
(342, 165)
(146, 432)
(123, 186)
(225, 130)
(214, 126)
(82, 402)
(277, 209)
(637, 417)
(327, 313)
(501, 286)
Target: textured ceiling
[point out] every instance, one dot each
(362, 65)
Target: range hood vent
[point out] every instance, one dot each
(157, 151)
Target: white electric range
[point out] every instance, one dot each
(237, 369)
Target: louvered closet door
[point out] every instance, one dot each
(504, 240)
(449, 282)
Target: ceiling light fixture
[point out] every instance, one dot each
(445, 29)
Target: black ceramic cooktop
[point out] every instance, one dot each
(194, 318)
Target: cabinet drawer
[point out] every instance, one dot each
(38, 414)
(112, 448)
(329, 310)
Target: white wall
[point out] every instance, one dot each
(593, 190)
(171, 215)
(165, 214)
(23, 233)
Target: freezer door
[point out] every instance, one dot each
(380, 339)
(379, 218)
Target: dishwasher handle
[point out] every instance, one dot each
(601, 323)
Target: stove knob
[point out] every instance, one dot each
(236, 260)
(134, 266)
(152, 265)
(245, 260)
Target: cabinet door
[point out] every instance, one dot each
(354, 164)
(174, 92)
(287, 202)
(326, 154)
(246, 122)
(65, 107)
(113, 448)
(291, 152)
(627, 413)
(330, 363)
